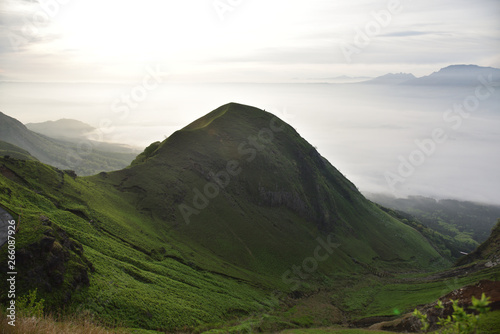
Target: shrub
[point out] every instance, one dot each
(460, 322)
(27, 305)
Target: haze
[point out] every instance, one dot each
(78, 58)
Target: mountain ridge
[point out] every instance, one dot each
(452, 75)
(244, 137)
(285, 221)
(446, 215)
(85, 159)
(391, 79)
(62, 128)
(457, 75)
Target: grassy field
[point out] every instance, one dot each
(375, 296)
(115, 245)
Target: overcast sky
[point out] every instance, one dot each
(242, 40)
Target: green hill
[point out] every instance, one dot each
(451, 248)
(465, 221)
(222, 219)
(289, 189)
(85, 159)
(12, 151)
(488, 252)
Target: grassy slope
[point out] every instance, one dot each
(127, 282)
(332, 204)
(449, 247)
(376, 296)
(332, 330)
(7, 149)
(464, 221)
(487, 251)
(84, 157)
(154, 271)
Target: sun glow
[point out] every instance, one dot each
(129, 29)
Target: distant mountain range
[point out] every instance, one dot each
(345, 79)
(450, 217)
(62, 129)
(333, 80)
(454, 75)
(74, 131)
(392, 79)
(95, 157)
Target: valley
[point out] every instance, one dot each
(234, 223)
(240, 167)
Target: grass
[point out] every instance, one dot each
(48, 324)
(153, 271)
(379, 298)
(332, 330)
(490, 322)
(85, 158)
(127, 281)
(376, 296)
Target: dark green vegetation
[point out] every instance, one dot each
(449, 247)
(460, 321)
(234, 220)
(83, 156)
(466, 222)
(488, 251)
(333, 330)
(397, 295)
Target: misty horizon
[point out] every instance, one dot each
(363, 130)
(299, 61)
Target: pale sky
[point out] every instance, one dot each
(242, 40)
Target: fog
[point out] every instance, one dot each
(365, 131)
